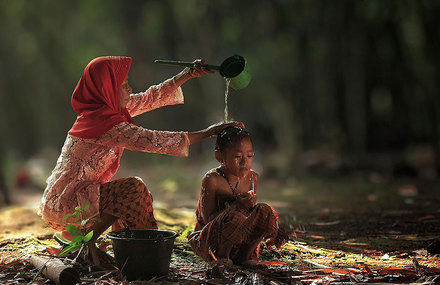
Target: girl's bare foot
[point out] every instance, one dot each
(99, 257)
(249, 263)
(93, 254)
(222, 262)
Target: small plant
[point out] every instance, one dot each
(80, 238)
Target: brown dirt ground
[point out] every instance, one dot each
(328, 245)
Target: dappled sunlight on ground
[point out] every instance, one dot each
(360, 233)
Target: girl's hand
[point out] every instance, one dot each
(198, 69)
(215, 129)
(211, 131)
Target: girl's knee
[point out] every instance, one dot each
(136, 181)
(136, 184)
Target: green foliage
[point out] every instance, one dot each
(79, 237)
(355, 75)
(189, 229)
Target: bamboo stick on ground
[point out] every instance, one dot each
(56, 270)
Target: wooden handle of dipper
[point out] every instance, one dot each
(186, 63)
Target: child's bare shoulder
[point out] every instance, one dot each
(211, 178)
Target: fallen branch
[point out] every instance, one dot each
(56, 270)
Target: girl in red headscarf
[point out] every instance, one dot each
(94, 145)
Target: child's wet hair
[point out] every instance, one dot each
(230, 136)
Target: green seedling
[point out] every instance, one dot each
(80, 237)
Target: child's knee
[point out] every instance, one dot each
(264, 209)
(238, 220)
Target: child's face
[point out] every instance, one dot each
(124, 93)
(238, 159)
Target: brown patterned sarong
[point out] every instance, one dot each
(235, 228)
(129, 200)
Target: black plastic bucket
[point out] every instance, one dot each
(143, 254)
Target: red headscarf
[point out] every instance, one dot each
(96, 97)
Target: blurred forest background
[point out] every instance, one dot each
(339, 88)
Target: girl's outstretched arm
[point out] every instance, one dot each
(210, 131)
(197, 70)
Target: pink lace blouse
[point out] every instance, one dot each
(85, 164)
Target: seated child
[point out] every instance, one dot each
(230, 224)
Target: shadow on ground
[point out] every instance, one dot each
(342, 230)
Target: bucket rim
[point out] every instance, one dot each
(112, 235)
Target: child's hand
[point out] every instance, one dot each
(246, 200)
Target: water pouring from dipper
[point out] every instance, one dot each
(233, 69)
